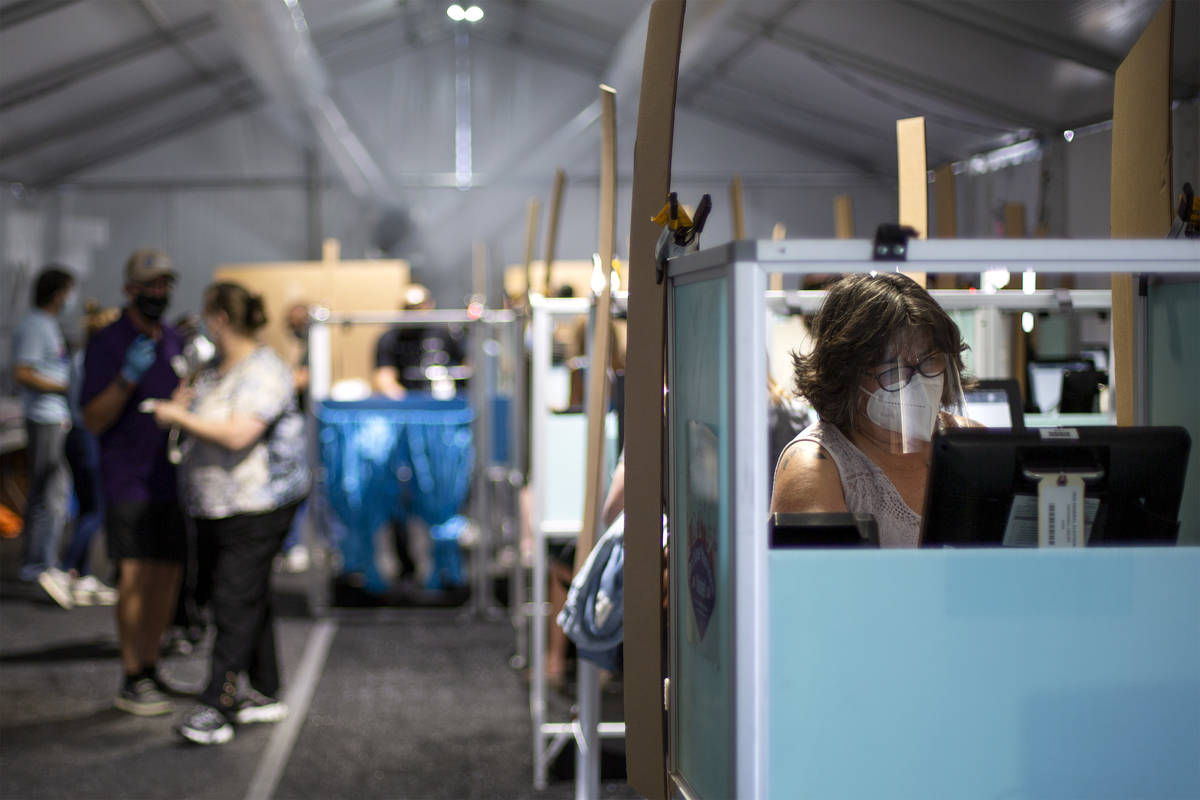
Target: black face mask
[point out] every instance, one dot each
(151, 308)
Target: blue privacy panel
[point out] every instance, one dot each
(566, 466)
(985, 674)
(701, 548)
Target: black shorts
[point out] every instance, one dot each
(150, 531)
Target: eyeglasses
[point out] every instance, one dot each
(896, 378)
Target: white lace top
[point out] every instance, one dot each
(866, 488)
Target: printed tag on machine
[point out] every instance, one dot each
(1060, 511)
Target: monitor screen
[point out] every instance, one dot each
(979, 493)
(995, 404)
(1045, 381)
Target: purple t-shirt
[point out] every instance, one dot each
(133, 452)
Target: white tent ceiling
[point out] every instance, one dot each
(84, 82)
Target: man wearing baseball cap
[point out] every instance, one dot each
(126, 364)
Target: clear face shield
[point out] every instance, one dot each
(905, 398)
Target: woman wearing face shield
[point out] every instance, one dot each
(884, 374)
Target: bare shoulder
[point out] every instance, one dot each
(807, 480)
(949, 420)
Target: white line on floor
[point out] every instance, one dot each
(279, 749)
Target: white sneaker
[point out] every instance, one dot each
(90, 591)
(296, 559)
(57, 584)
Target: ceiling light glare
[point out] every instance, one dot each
(1069, 135)
(1027, 321)
(456, 13)
(473, 14)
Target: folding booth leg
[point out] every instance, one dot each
(587, 734)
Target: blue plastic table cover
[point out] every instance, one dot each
(385, 459)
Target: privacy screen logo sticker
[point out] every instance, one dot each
(702, 519)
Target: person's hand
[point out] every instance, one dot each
(168, 412)
(183, 395)
(138, 358)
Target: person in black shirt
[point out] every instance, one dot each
(407, 359)
(405, 354)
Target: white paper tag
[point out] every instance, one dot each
(1060, 511)
(1058, 433)
(1021, 529)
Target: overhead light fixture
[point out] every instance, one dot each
(1069, 135)
(460, 14)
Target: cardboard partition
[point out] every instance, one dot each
(1140, 204)
(359, 285)
(575, 273)
(645, 734)
(913, 180)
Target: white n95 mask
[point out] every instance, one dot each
(911, 411)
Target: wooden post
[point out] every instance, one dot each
(736, 208)
(843, 216)
(597, 390)
(644, 423)
(778, 234)
(1014, 220)
(1014, 228)
(560, 178)
(913, 180)
(532, 213)
(1140, 203)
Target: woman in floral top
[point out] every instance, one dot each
(244, 472)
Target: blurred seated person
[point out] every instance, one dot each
(405, 354)
(296, 350)
(885, 369)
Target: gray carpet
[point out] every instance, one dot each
(411, 703)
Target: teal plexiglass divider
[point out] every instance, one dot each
(1173, 325)
(985, 674)
(701, 546)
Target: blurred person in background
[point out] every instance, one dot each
(83, 455)
(245, 472)
(407, 359)
(295, 550)
(127, 367)
(42, 369)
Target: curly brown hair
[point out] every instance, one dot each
(861, 315)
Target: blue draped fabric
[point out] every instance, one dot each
(387, 458)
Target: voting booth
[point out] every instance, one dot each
(940, 672)
(442, 459)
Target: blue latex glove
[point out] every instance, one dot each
(138, 358)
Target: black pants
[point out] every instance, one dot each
(244, 547)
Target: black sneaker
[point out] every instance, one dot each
(256, 707)
(205, 725)
(140, 696)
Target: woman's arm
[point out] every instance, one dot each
(807, 480)
(235, 432)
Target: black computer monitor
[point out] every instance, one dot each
(995, 403)
(822, 529)
(980, 495)
(1046, 380)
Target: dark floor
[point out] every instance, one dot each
(409, 703)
